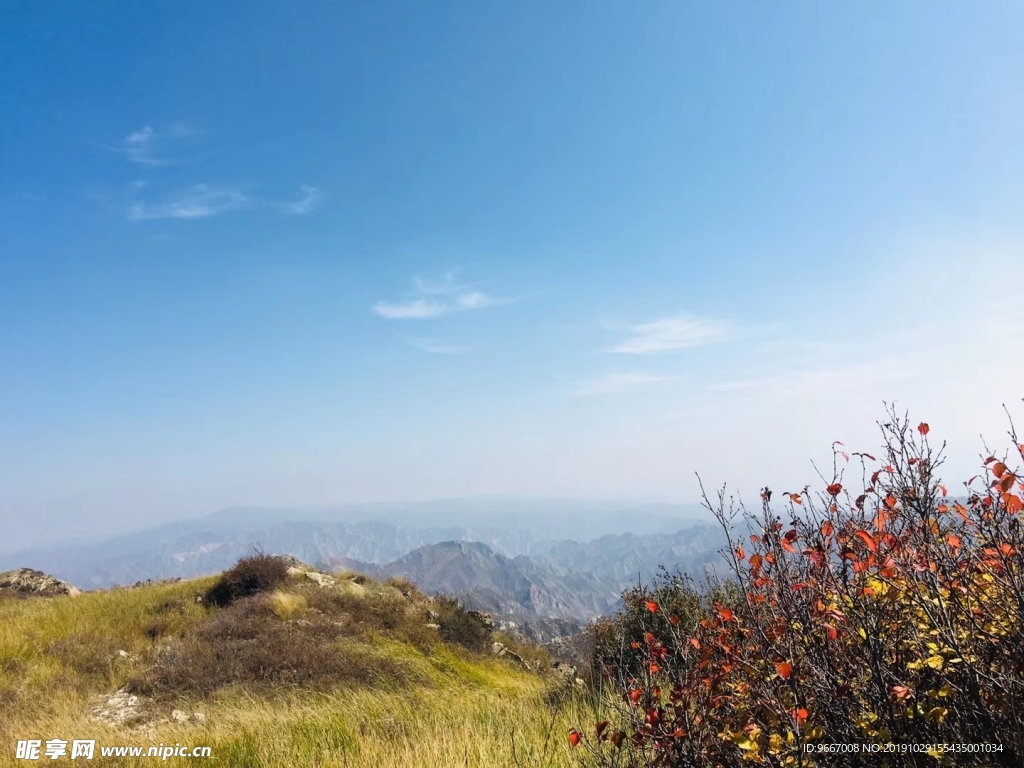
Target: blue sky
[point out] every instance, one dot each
(319, 252)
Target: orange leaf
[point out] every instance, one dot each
(923, 428)
(1014, 504)
(890, 501)
(574, 737)
(648, 637)
(785, 669)
(868, 539)
(695, 643)
(799, 715)
(826, 528)
(655, 668)
(1006, 483)
(726, 614)
(740, 552)
(833, 633)
(998, 468)
(651, 606)
(943, 489)
(953, 541)
(795, 497)
(786, 545)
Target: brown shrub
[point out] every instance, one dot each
(249, 644)
(249, 576)
(461, 626)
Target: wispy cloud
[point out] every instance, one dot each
(307, 203)
(433, 299)
(143, 145)
(671, 333)
(616, 383)
(138, 146)
(200, 201)
(438, 347)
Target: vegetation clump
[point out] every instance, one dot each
(249, 576)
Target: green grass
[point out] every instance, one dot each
(433, 704)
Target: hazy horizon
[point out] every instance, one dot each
(266, 254)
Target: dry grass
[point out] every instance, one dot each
(346, 676)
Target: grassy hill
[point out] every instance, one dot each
(347, 672)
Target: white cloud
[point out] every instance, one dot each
(439, 347)
(141, 145)
(671, 333)
(418, 309)
(306, 204)
(138, 146)
(443, 298)
(616, 383)
(197, 202)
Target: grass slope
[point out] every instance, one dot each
(397, 695)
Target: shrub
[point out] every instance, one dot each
(249, 576)
(457, 624)
(249, 644)
(888, 615)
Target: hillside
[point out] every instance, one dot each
(317, 670)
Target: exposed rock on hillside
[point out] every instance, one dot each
(25, 581)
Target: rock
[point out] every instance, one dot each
(483, 618)
(322, 579)
(25, 581)
(498, 649)
(178, 716)
(198, 717)
(433, 626)
(118, 709)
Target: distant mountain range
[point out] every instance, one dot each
(553, 559)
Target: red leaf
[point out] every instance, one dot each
(785, 669)
(868, 540)
(655, 668)
(740, 552)
(833, 633)
(651, 606)
(943, 489)
(673, 620)
(574, 737)
(834, 489)
(923, 428)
